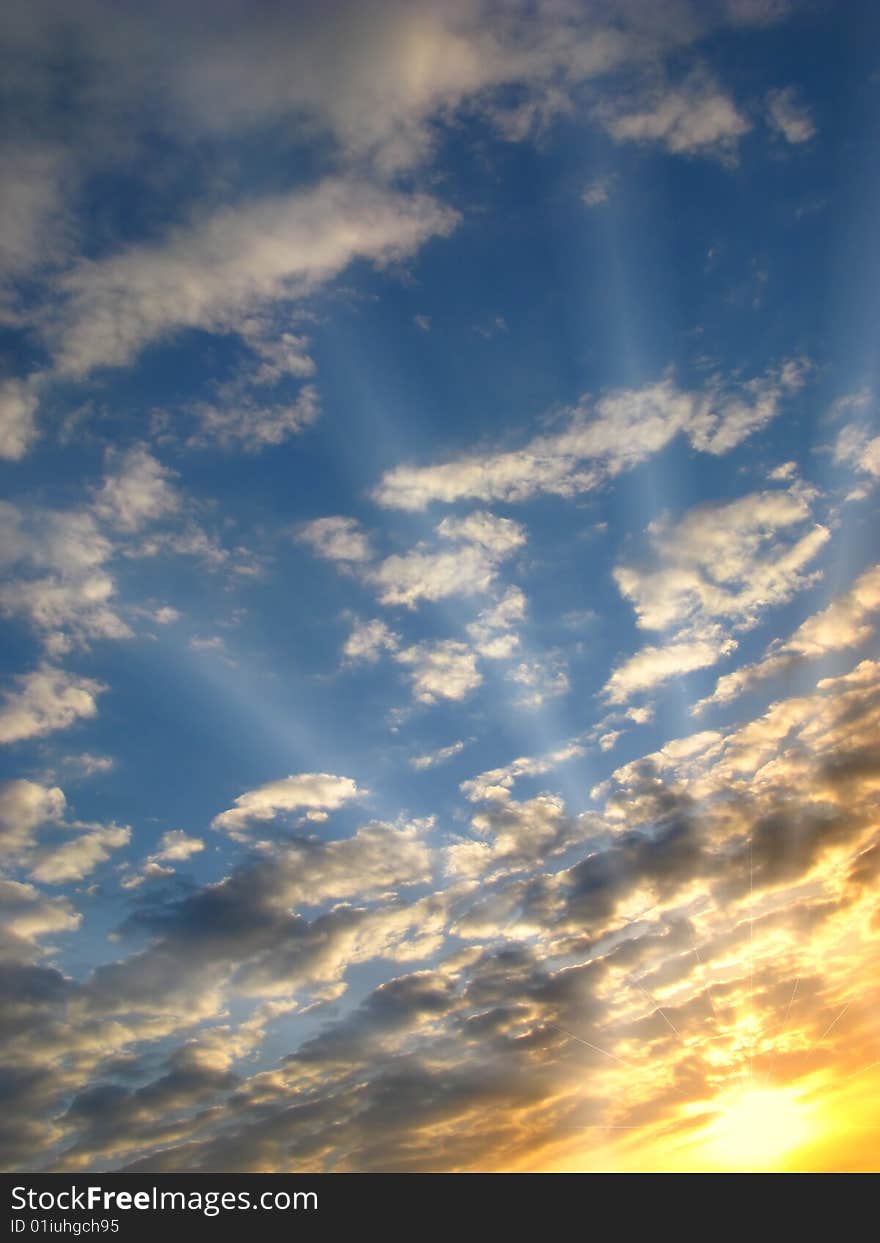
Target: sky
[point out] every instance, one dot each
(440, 699)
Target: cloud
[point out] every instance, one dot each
(253, 425)
(175, 846)
(166, 615)
(87, 764)
(18, 430)
(59, 577)
(731, 417)
(492, 633)
(842, 624)
(513, 836)
(481, 541)
(789, 117)
(518, 984)
(248, 928)
(445, 669)
(336, 539)
(716, 570)
(279, 353)
(597, 191)
(753, 846)
(27, 915)
(253, 71)
(857, 448)
(723, 560)
(496, 783)
(652, 665)
(368, 640)
(231, 263)
(75, 859)
(627, 427)
(441, 756)
(540, 679)
(303, 792)
(757, 12)
(136, 491)
(33, 205)
(697, 118)
(189, 539)
(24, 807)
(48, 699)
(784, 473)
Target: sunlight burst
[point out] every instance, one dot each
(756, 1128)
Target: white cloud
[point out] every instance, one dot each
(856, 447)
(715, 570)
(87, 765)
(280, 353)
(497, 536)
(32, 204)
(789, 117)
(214, 644)
(77, 858)
(336, 539)
(376, 81)
(253, 425)
(231, 263)
(842, 624)
(432, 758)
(166, 615)
(24, 807)
(46, 700)
(724, 421)
(652, 665)
(481, 541)
(540, 679)
(495, 645)
(192, 540)
(697, 118)
(175, 845)
(597, 192)
(303, 792)
(495, 784)
(724, 560)
(626, 427)
(511, 608)
(61, 583)
(136, 491)
(410, 577)
(29, 915)
(445, 669)
(368, 640)
(18, 431)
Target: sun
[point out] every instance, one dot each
(756, 1128)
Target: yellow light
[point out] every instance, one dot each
(756, 1128)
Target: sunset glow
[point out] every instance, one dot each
(440, 586)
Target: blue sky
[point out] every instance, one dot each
(440, 453)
